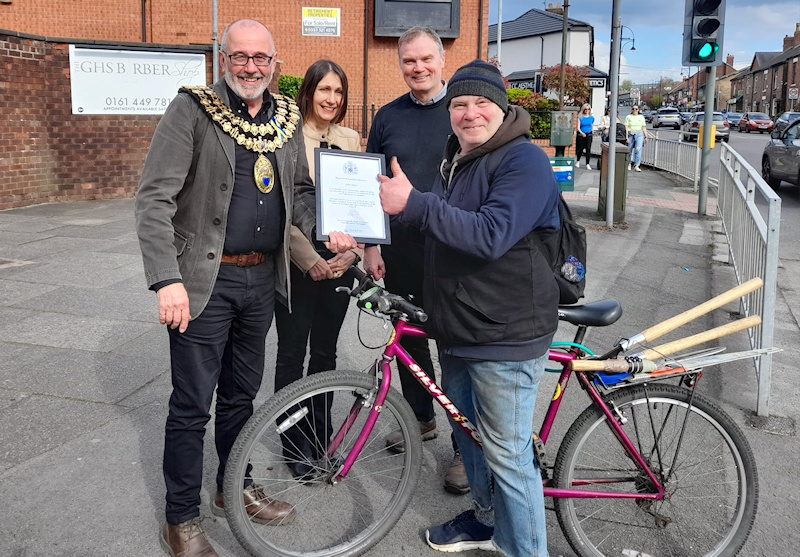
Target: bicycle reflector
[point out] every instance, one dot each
(703, 27)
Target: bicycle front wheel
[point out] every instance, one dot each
(695, 450)
(286, 448)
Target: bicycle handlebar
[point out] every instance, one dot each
(372, 297)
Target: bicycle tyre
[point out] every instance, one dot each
(334, 520)
(711, 496)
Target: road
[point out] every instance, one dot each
(751, 147)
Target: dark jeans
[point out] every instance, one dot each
(222, 349)
(318, 312)
(402, 281)
(583, 145)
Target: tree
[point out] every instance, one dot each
(576, 86)
(627, 85)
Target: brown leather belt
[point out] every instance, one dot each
(243, 259)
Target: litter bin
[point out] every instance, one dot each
(621, 160)
(564, 169)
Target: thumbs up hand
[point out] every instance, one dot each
(394, 191)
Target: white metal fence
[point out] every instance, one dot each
(753, 239)
(670, 155)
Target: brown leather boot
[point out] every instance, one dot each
(395, 443)
(261, 508)
(455, 480)
(186, 539)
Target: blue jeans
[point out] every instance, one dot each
(499, 398)
(635, 142)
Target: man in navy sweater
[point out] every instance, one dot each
(414, 128)
(492, 302)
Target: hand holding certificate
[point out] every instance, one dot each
(348, 195)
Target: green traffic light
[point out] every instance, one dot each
(704, 51)
(708, 50)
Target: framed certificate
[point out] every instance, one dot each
(348, 195)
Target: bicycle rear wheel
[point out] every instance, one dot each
(345, 518)
(699, 455)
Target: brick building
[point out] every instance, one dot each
(48, 154)
(771, 82)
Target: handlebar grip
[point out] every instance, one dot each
(357, 273)
(415, 313)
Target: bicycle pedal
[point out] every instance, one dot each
(540, 452)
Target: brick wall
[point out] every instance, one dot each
(187, 22)
(46, 152)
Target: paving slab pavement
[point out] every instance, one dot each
(84, 373)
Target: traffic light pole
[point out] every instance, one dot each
(708, 122)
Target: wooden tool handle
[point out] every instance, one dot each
(613, 366)
(689, 315)
(705, 336)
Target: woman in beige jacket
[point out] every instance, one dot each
(317, 309)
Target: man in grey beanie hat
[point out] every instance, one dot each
(494, 196)
(481, 79)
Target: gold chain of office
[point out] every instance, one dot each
(252, 136)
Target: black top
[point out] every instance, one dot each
(415, 134)
(255, 219)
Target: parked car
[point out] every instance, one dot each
(781, 158)
(755, 122)
(648, 115)
(667, 117)
(785, 119)
(686, 116)
(734, 118)
(690, 129)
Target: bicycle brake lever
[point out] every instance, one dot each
(344, 289)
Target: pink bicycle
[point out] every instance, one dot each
(646, 469)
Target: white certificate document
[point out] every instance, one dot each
(348, 195)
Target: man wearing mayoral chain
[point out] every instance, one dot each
(225, 178)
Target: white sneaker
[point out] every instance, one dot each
(588, 167)
(637, 169)
(630, 167)
(577, 164)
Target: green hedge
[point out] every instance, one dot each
(289, 85)
(538, 107)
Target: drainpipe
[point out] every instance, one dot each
(214, 42)
(480, 33)
(366, 68)
(144, 21)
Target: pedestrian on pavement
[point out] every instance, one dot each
(584, 124)
(213, 218)
(636, 130)
(414, 128)
(492, 302)
(605, 125)
(318, 311)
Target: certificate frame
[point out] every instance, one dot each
(348, 195)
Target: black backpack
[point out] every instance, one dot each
(621, 135)
(564, 247)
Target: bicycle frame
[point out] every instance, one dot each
(395, 350)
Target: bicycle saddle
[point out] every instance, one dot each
(594, 314)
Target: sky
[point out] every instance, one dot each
(657, 25)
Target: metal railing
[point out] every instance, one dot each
(673, 156)
(354, 118)
(753, 240)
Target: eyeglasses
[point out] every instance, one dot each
(239, 59)
(635, 108)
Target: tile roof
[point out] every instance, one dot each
(532, 23)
